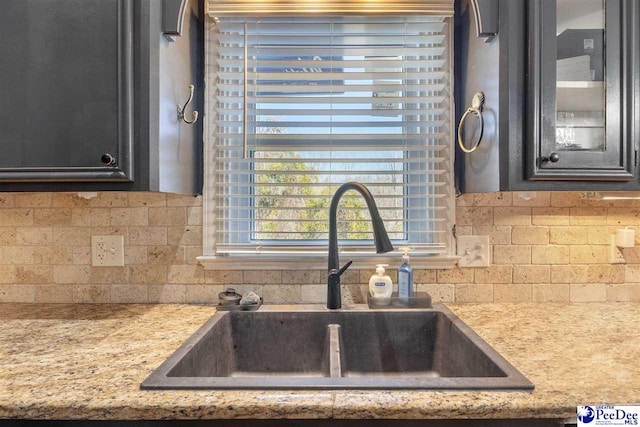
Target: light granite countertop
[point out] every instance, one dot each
(87, 362)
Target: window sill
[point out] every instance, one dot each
(319, 263)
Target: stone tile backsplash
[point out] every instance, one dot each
(546, 247)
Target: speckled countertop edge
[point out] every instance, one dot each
(87, 361)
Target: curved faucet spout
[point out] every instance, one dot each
(380, 237)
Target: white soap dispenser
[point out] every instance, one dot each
(380, 284)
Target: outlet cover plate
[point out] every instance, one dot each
(473, 251)
(107, 251)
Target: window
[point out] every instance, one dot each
(298, 106)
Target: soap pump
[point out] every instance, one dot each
(405, 275)
(380, 284)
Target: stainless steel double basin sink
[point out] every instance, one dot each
(346, 349)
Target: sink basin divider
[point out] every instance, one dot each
(334, 345)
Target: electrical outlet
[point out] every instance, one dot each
(107, 251)
(473, 251)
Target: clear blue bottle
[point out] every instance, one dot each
(405, 276)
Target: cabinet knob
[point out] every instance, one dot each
(553, 158)
(108, 159)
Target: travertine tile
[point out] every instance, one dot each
(17, 255)
(464, 199)
(33, 200)
(223, 277)
(174, 216)
(605, 273)
(112, 199)
(588, 216)
(189, 235)
(511, 254)
(135, 255)
(129, 216)
(498, 234)
(531, 273)
(550, 254)
(111, 231)
(281, 294)
(17, 293)
(492, 199)
(313, 294)
(440, 292)
(7, 236)
(71, 274)
(8, 273)
(165, 254)
(511, 292)
(532, 198)
(183, 200)
(304, 277)
(623, 216)
(493, 274)
(34, 274)
(72, 236)
(128, 293)
(167, 294)
(106, 275)
(34, 235)
(192, 253)
(52, 216)
(7, 200)
(422, 276)
(530, 235)
(54, 255)
(90, 217)
(600, 235)
(550, 216)
(624, 292)
(185, 274)
(474, 216)
(589, 254)
(512, 216)
(569, 235)
(455, 275)
(548, 292)
(88, 294)
(588, 292)
(81, 255)
(147, 235)
(262, 277)
(470, 293)
(464, 230)
(53, 293)
(13, 217)
(148, 273)
(194, 216)
(568, 199)
(568, 273)
(203, 294)
(146, 198)
(632, 273)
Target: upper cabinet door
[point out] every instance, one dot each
(66, 85)
(580, 121)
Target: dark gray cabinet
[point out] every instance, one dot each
(86, 92)
(562, 89)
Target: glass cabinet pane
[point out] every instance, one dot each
(580, 75)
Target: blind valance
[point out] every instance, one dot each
(242, 8)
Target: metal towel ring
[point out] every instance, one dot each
(476, 108)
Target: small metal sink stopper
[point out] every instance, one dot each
(229, 297)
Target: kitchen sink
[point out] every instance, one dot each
(345, 349)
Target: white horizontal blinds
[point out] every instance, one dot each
(331, 100)
(235, 8)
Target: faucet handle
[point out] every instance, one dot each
(344, 268)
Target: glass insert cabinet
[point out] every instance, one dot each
(580, 93)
